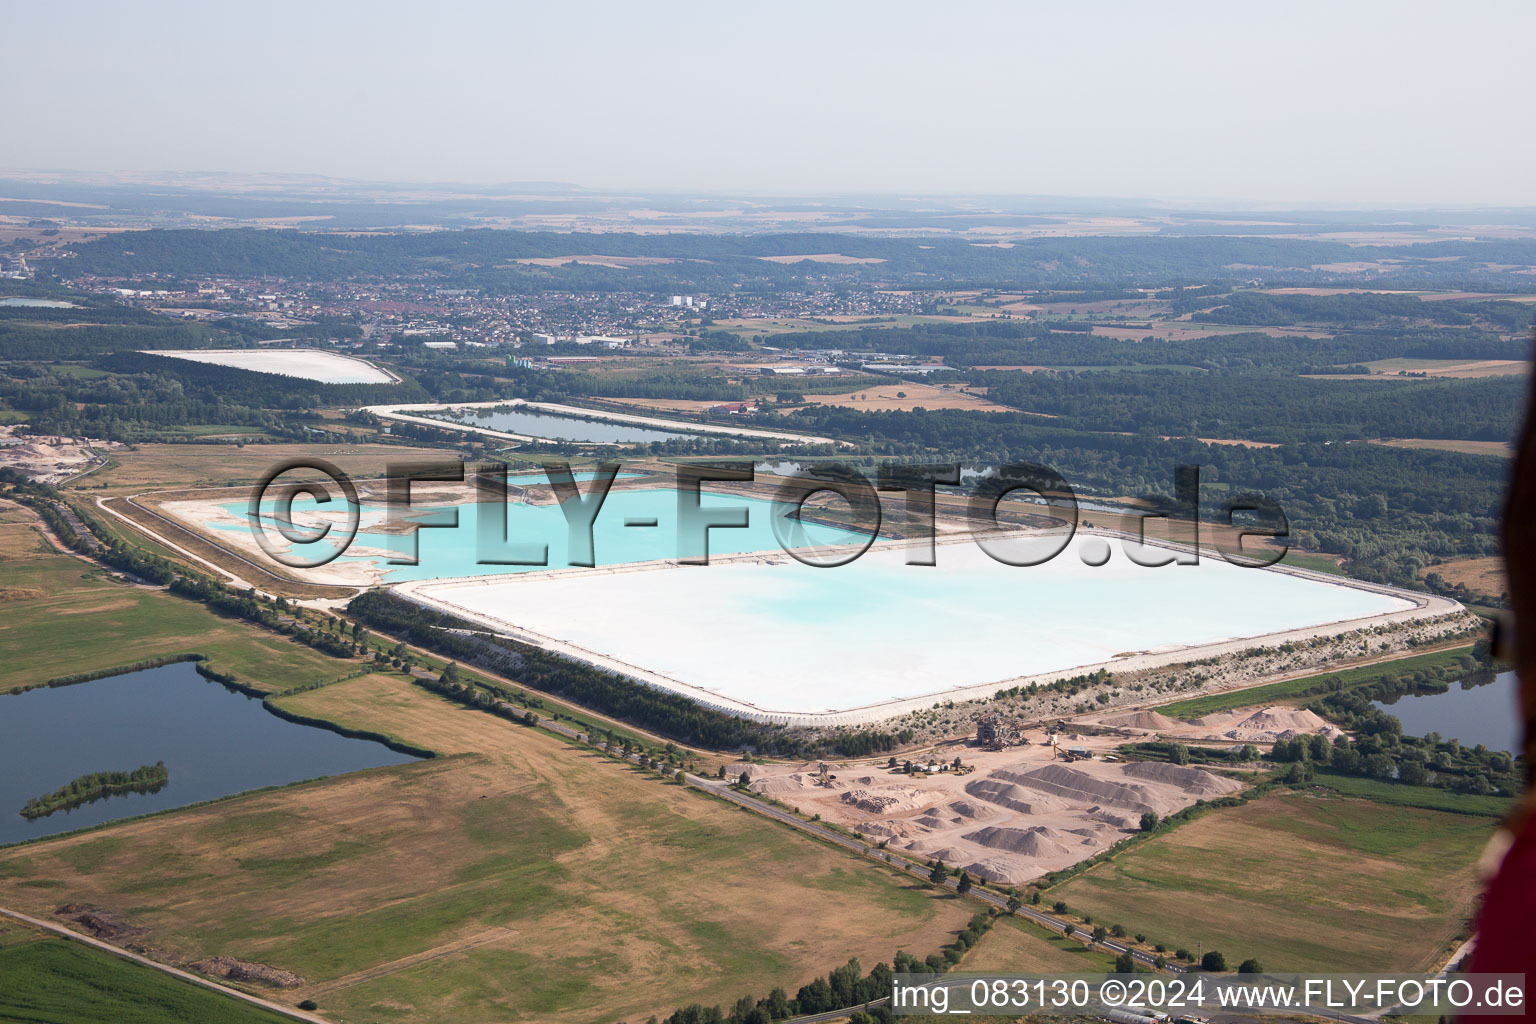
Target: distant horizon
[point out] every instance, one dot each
(1081, 202)
(1199, 101)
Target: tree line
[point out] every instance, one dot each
(608, 693)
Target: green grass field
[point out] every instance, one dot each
(64, 616)
(1317, 563)
(1292, 690)
(45, 980)
(1300, 881)
(1385, 791)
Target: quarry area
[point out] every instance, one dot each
(1041, 803)
(1265, 725)
(50, 459)
(1006, 816)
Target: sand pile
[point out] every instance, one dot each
(1067, 836)
(885, 799)
(950, 855)
(243, 970)
(1014, 797)
(1190, 780)
(1027, 842)
(1269, 724)
(776, 784)
(1119, 819)
(1081, 788)
(1005, 869)
(1089, 835)
(889, 829)
(1150, 721)
(967, 809)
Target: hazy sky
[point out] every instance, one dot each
(1402, 102)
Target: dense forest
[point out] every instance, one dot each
(1393, 511)
(1265, 407)
(1011, 342)
(485, 258)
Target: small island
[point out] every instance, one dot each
(149, 778)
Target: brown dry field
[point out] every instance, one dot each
(612, 262)
(1234, 441)
(192, 465)
(20, 541)
(1126, 307)
(1452, 368)
(883, 398)
(1014, 946)
(665, 404)
(1479, 575)
(1164, 330)
(1465, 447)
(822, 257)
(1480, 368)
(525, 879)
(1025, 369)
(1484, 368)
(768, 326)
(1490, 296)
(1341, 291)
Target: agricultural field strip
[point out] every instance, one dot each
(180, 975)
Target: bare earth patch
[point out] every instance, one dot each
(904, 398)
(822, 257)
(1499, 448)
(1479, 575)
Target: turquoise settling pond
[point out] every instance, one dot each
(619, 538)
(214, 742)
